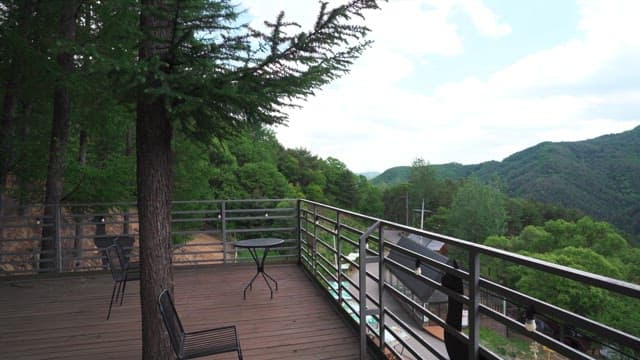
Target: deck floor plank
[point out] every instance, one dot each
(64, 317)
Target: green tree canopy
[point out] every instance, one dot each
(477, 212)
(592, 302)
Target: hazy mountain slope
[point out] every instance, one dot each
(394, 175)
(600, 176)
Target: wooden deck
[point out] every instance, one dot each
(64, 317)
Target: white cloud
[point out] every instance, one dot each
(570, 91)
(415, 28)
(485, 20)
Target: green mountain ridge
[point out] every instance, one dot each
(598, 176)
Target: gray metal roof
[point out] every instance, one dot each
(425, 292)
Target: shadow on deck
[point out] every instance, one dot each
(64, 316)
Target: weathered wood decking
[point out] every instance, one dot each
(64, 317)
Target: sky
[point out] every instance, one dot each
(470, 81)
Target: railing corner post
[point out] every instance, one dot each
(474, 304)
(381, 303)
(58, 237)
(223, 220)
(299, 229)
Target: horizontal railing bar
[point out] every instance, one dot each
(25, 239)
(415, 335)
(615, 285)
(261, 210)
(542, 307)
(260, 217)
(187, 220)
(394, 351)
(327, 262)
(283, 229)
(424, 259)
(19, 226)
(326, 219)
(460, 297)
(323, 279)
(192, 232)
(326, 229)
(341, 211)
(232, 201)
(216, 211)
(351, 242)
(432, 317)
(611, 284)
(547, 341)
(319, 264)
(326, 245)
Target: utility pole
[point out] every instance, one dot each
(406, 212)
(422, 216)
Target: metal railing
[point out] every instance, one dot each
(332, 245)
(329, 234)
(72, 238)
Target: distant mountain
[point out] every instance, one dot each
(394, 175)
(370, 174)
(600, 176)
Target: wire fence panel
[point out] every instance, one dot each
(203, 232)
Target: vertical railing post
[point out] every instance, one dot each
(381, 316)
(362, 283)
(299, 230)
(362, 290)
(314, 258)
(474, 297)
(58, 237)
(223, 227)
(339, 262)
(125, 222)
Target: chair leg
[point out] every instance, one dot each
(124, 285)
(118, 291)
(113, 293)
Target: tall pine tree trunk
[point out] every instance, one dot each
(154, 181)
(59, 137)
(14, 77)
(7, 133)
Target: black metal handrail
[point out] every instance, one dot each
(316, 235)
(325, 229)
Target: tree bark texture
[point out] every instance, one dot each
(84, 144)
(59, 137)
(154, 182)
(14, 77)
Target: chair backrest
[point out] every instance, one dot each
(171, 321)
(116, 264)
(124, 242)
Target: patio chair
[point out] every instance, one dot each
(122, 271)
(191, 345)
(103, 242)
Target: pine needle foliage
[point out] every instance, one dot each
(221, 75)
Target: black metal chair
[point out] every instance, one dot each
(190, 345)
(102, 242)
(122, 271)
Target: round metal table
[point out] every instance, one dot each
(253, 245)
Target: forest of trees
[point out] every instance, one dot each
(482, 213)
(127, 100)
(104, 100)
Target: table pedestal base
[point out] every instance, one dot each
(260, 271)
